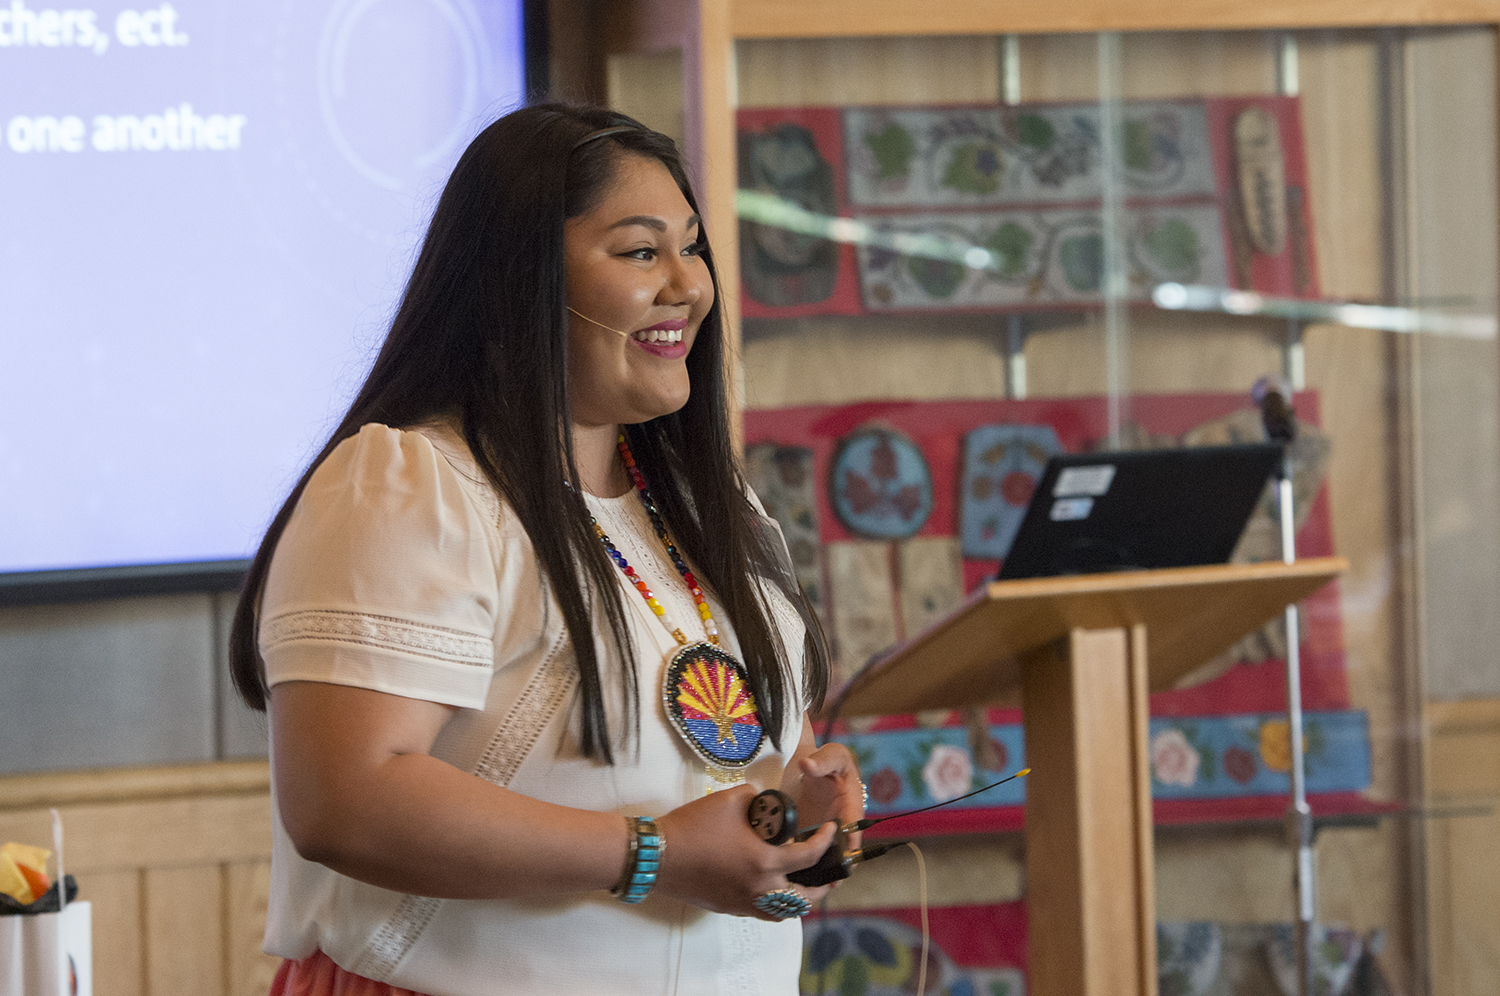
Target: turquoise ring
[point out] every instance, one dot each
(782, 904)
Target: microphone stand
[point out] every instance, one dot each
(1281, 426)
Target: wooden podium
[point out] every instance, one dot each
(1084, 652)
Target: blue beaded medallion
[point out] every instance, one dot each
(708, 700)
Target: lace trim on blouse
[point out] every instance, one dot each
(380, 632)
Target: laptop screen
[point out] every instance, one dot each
(1139, 509)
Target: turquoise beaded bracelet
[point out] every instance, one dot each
(646, 845)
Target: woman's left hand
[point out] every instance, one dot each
(825, 783)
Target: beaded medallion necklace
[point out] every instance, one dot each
(705, 690)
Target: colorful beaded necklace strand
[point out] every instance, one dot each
(704, 612)
(704, 689)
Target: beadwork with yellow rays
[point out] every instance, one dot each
(708, 700)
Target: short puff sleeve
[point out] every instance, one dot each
(385, 577)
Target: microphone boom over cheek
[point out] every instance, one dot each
(600, 324)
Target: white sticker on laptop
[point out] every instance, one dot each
(1071, 509)
(1092, 480)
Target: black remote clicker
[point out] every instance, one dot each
(773, 817)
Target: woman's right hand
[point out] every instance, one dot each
(713, 858)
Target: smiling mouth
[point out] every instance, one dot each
(664, 336)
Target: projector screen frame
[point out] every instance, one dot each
(90, 584)
(87, 584)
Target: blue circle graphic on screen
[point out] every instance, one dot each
(383, 126)
(882, 487)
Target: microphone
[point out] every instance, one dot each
(600, 324)
(773, 817)
(1273, 396)
(836, 863)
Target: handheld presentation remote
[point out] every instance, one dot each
(773, 817)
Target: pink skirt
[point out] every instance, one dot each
(319, 976)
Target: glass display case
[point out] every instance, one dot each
(954, 250)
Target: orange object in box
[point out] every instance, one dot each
(23, 872)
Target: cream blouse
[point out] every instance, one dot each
(402, 571)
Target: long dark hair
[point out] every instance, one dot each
(481, 337)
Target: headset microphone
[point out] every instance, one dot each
(600, 324)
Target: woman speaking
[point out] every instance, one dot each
(528, 644)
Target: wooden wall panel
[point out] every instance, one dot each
(1452, 257)
(1463, 831)
(1225, 355)
(1341, 124)
(247, 895)
(1206, 63)
(152, 834)
(1059, 67)
(1362, 882)
(1206, 874)
(917, 357)
(1350, 369)
(924, 70)
(835, 18)
(1203, 873)
(183, 914)
(962, 870)
(1466, 939)
(176, 862)
(117, 927)
(1152, 65)
(837, 71)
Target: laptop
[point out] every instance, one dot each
(1139, 509)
